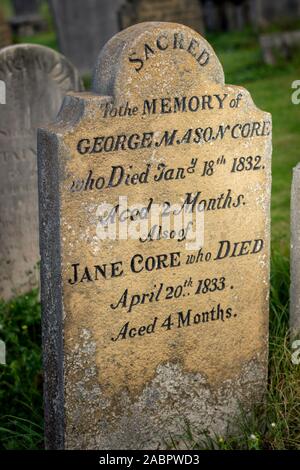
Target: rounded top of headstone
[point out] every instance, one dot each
(36, 60)
(155, 56)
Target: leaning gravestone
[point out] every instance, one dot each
(36, 79)
(145, 331)
(295, 250)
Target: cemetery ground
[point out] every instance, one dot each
(275, 424)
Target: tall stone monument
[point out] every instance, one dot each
(36, 79)
(146, 325)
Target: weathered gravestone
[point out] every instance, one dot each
(36, 79)
(295, 250)
(141, 334)
(83, 27)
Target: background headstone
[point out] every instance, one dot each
(144, 335)
(187, 12)
(295, 254)
(83, 27)
(36, 79)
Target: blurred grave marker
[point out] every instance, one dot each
(295, 250)
(36, 79)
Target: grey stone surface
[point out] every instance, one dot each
(232, 15)
(295, 254)
(83, 27)
(103, 391)
(36, 80)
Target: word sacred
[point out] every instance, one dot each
(165, 42)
